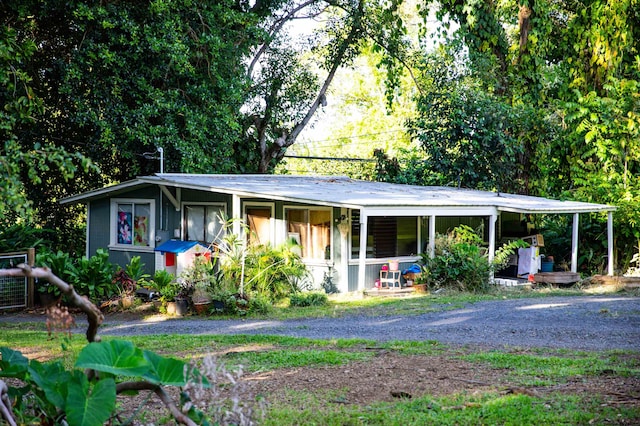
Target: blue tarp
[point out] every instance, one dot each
(178, 246)
(415, 269)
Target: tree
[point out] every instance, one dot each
(21, 163)
(218, 85)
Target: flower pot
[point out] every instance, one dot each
(218, 306)
(202, 307)
(127, 301)
(179, 307)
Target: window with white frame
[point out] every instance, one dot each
(311, 228)
(387, 236)
(259, 222)
(132, 223)
(203, 222)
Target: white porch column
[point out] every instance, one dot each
(236, 214)
(610, 243)
(493, 219)
(432, 236)
(363, 249)
(344, 256)
(574, 243)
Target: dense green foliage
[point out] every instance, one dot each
(220, 86)
(51, 391)
(461, 262)
(536, 98)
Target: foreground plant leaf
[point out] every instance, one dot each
(90, 405)
(117, 357)
(13, 363)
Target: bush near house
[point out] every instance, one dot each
(246, 278)
(461, 262)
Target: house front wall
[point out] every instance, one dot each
(340, 265)
(169, 224)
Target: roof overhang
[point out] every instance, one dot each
(339, 191)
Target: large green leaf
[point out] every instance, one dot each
(90, 407)
(53, 379)
(13, 363)
(170, 371)
(118, 357)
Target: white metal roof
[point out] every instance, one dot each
(342, 191)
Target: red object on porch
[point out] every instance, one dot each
(170, 259)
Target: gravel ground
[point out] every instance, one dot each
(593, 323)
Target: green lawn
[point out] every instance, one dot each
(543, 376)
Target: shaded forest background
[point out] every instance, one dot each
(536, 97)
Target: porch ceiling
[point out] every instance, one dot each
(341, 191)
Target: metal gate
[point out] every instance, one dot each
(13, 290)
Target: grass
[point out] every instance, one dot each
(546, 370)
(533, 368)
(484, 409)
(267, 353)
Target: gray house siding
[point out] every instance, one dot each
(98, 229)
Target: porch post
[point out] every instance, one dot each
(432, 236)
(344, 255)
(574, 243)
(236, 214)
(363, 249)
(610, 243)
(492, 243)
(492, 236)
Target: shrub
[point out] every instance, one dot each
(60, 264)
(312, 298)
(461, 263)
(271, 272)
(259, 304)
(93, 277)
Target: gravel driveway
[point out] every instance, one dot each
(591, 323)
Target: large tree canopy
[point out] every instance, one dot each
(220, 86)
(538, 97)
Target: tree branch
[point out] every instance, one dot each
(6, 413)
(161, 394)
(275, 28)
(286, 140)
(94, 316)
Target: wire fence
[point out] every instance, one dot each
(13, 290)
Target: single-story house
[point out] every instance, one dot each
(346, 227)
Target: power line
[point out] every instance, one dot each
(312, 157)
(337, 139)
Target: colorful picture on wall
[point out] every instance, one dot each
(124, 228)
(140, 231)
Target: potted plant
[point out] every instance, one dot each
(126, 288)
(201, 298)
(160, 280)
(195, 281)
(173, 299)
(61, 264)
